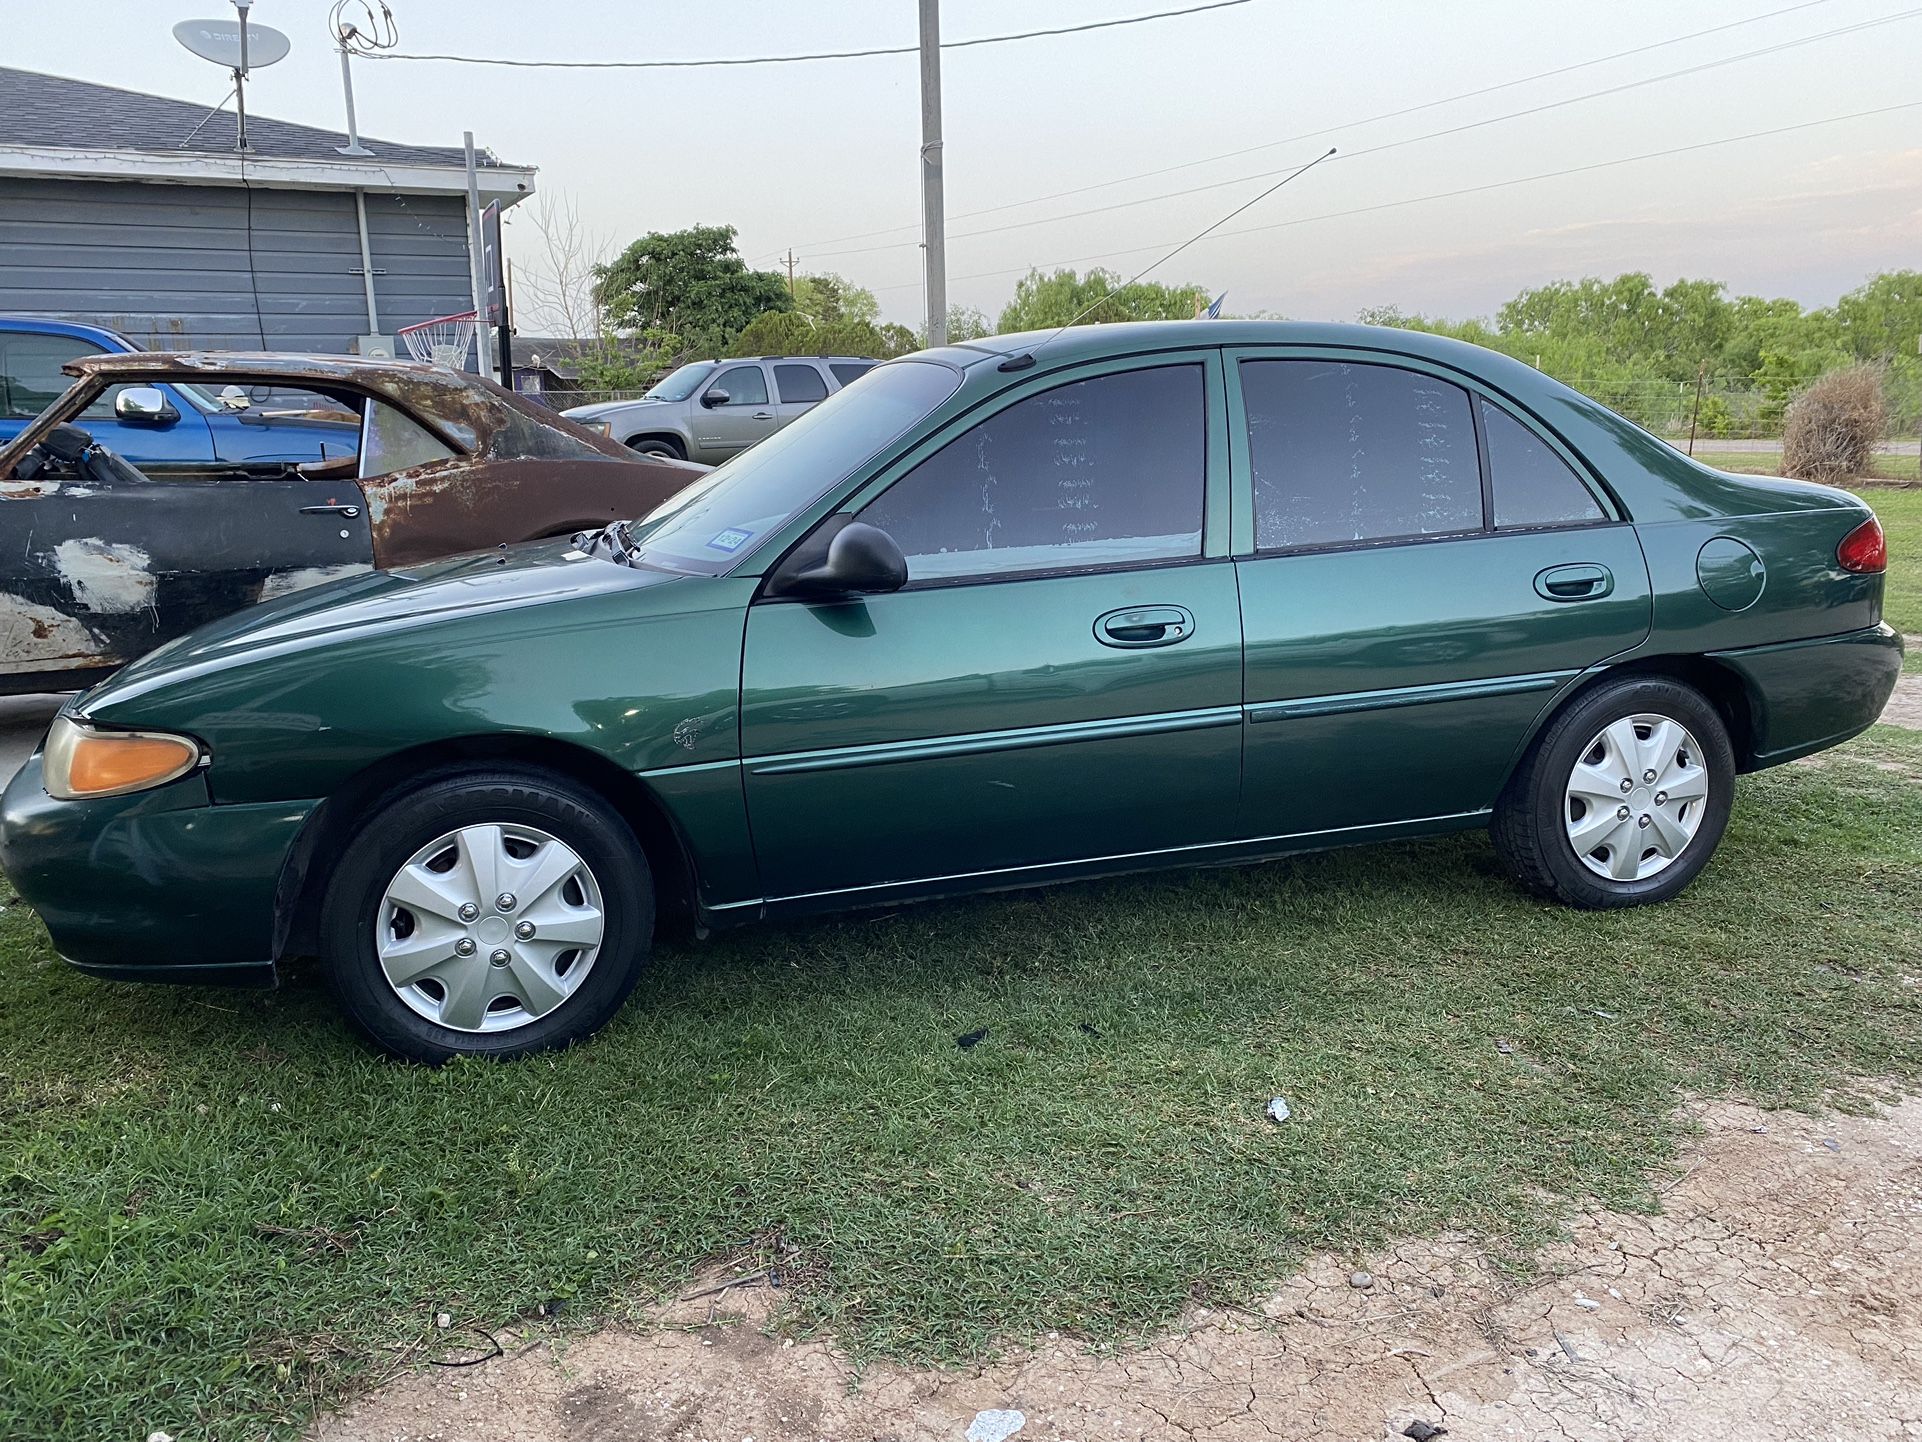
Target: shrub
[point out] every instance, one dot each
(1832, 428)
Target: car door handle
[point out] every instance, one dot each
(1141, 626)
(764, 415)
(349, 511)
(1574, 583)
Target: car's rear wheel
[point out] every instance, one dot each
(1622, 799)
(656, 446)
(487, 914)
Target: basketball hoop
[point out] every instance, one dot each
(442, 341)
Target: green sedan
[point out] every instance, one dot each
(1006, 613)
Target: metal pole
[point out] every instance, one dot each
(933, 225)
(481, 337)
(240, 80)
(366, 262)
(353, 145)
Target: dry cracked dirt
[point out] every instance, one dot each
(1778, 1295)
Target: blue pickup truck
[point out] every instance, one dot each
(190, 428)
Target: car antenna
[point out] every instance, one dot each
(1024, 359)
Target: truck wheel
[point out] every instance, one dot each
(1622, 799)
(489, 913)
(656, 446)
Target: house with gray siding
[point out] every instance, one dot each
(135, 212)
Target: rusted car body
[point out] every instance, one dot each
(100, 562)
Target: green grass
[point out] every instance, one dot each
(1885, 467)
(217, 1210)
(1900, 512)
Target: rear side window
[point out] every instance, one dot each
(30, 378)
(391, 441)
(1103, 472)
(799, 384)
(1533, 486)
(847, 372)
(1344, 453)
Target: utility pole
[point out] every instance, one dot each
(790, 274)
(933, 224)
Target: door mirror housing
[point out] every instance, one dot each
(144, 406)
(860, 560)
(715, 397)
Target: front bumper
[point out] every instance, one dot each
(160, 885)
(1806, 696)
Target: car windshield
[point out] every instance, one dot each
(705, 528)
(679, 384)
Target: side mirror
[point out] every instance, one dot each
(715, 397)
(144, 406)
(861, 560)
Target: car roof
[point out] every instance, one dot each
(77, 329)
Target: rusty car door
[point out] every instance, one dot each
(96, 571)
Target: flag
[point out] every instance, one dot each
(1211, 311)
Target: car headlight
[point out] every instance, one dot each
(599, 427)
(81, 762)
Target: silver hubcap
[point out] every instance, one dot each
(1636, 797)
(489, 928)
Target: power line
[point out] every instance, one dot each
(1368, 120)
(1451, 194)
(1410, 140)
(818, 55)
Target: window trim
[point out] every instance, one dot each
(867, 495)
(1243, 545)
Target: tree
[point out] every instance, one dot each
(964, 323)
(1041, 300)
(555, 295)
(686, 292)
(792, 333)
(827, 299)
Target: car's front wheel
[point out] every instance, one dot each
(1622, 799)
(657, 446)
(487, 914)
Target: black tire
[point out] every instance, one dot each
(656, 446)
(352, 909)
(1531, 819)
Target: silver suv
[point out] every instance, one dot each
(710, 410)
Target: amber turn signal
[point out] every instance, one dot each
(82, 762)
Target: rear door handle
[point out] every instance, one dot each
(1137, 627)
(1574, 583)
(349, 511)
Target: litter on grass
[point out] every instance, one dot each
(1278, 1109)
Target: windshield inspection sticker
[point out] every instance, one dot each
(730, 540)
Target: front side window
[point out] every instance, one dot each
(710, 526)
(393, 441)
(1343, 453)
(799, 384)
(1102, 472)
(30, 376)
(679, 384)
(745, 386)
(1533, 485)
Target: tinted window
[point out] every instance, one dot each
(1357, 453)
(1533, 486)
(745, 386)
(392, 442)
(681, 384)
(30, 378)
(846, 372)
(1098, 472)
(799, 383)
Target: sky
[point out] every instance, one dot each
(817, 157)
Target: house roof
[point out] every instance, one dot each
(58, 113)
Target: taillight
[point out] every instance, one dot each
(1865, 550)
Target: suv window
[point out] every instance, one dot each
(745, 386)
(1345, 453)
(799, 384)
(30, 378)
(847, 372)
(1101, 472)
(1533, 486)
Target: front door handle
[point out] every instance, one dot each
(1141, 626)
(1574, 583)
(348, 511)
(764, 415)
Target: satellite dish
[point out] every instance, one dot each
(219, 41)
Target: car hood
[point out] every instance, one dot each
(608, 408)
(536, 573)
